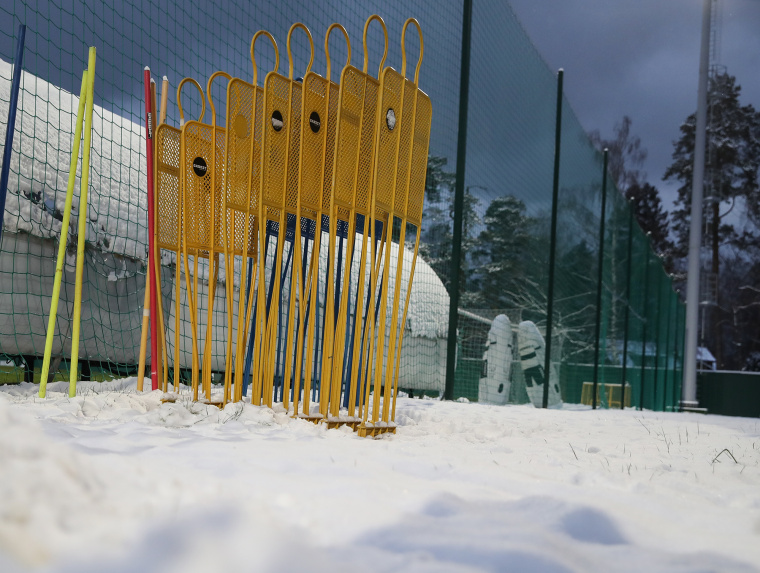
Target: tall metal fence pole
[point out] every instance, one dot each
(657, 342)
(553, 242)
(645, 319)
(18, 64)
(676, 354)
(626, 320)
(666, 369)
(599, 276)
(456, 253)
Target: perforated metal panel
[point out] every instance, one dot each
(291, 191)
(240, 114)
(332, 122)
(356, 140)
(168, 191)
(419, 159)
(388, 131)
(406, 124)
(274, 154)
(197, 143)
(315, 102)
(217, 199)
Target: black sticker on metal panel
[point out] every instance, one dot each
(199, 166)
(314, 121)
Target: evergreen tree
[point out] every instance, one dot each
(437, 238)
(732, 160)
(647, 207)
(731, 164)
(502, 250)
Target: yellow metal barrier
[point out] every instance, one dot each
(279, 193)
(398, 195)
(293, 158)
(168, 197)
(244, 120)
(354, 155)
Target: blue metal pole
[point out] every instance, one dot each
(249, 352)
(18, 64)
(306, 317)
(277, 377)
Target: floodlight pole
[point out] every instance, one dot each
(689, 391)
(456, 254)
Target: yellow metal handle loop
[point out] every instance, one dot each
(208, 91)
(403, 49)
(327, 46)
(290, 54)
(179, 100)
(253, 58)
(385, 51)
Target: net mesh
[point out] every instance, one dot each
(503, 278)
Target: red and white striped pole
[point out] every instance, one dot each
(151, 226)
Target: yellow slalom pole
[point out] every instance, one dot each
(64, 235)
(144, 333)
(82, 225)
(164, 100)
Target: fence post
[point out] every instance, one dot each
(676, 369)
(645, 317)
(599, 276)
(627, 306)
(666, 369)
(657, 342)
(456, 253)
(18, 64)
(553, 242)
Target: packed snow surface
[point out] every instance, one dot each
(113, 480)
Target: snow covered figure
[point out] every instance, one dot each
(532, 350)
(497, 362)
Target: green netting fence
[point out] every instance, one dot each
(503, 278)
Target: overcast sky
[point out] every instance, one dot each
(641, 59)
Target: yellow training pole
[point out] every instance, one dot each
(164, 100)
(64, 235)
(144, 334)
(82, 225)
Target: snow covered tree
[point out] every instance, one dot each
(435, 244)
(626, 155)
(731, 163)
(437, 237)
(502, 251)
(652, 218)
(731, 178)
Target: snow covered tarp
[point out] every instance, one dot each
(40, 161)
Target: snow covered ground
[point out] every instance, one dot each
(115, 481)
